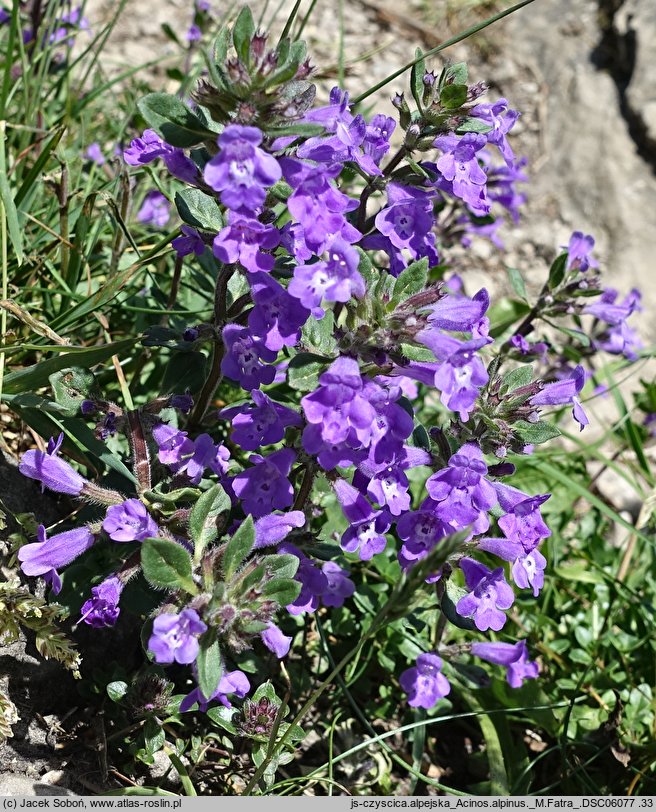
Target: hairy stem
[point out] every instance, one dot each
(214, 375)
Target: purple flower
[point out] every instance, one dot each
(407, 224)
(460, 168)
(579, 252)
(145, 149)
(367, 527)
(391, 427)
(565, 391)
(345, 145)
(261, 422)
(47, 555)
(243, 359)
(187, 456)
(318, 205)
(276, 641)
(175, 637)
(314, 582)
(339, 586)
(514, 657)
(154, 210)
(528, 571)
(377, 137)
(277, 317)
(51, 471)
(618, 338)
(181, 167)
(231, 682)
(461, 490)
(244, 240)
(336, 279)
(459, 313)
(150, 146)
(461, 373)
(387, 484)
(193, 33)
(275, 527)
(420, 531)
(522, 523)
(189, 242)
(501, 189)
(424, 683)
(265, 487)
(340, 408)
(241, 171)
(102, 609)
(502, 120)
(129, 522)
(489, 596)
(94, 153)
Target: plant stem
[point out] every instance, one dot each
(214, 376)
(140, 458)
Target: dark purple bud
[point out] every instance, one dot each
(190, 334)
(88, 407)
(258, 45)
(182, 402)
(501, 469)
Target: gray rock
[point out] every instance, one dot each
(585, 170)
(635, 22)
(14, 784)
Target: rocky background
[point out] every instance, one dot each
(583, 73)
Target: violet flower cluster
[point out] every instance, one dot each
(309, 251)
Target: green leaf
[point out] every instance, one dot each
(366, 269)
(453, 96)
(318, 334)
(70, 387)
(517, 283)
(411, 280)
(173, 120)
(242, 33)
(516, 378)
(154, 737)
(202, 521)
(578, 570)
(38, 375)
(417, 78)
(416, 352)
(504, 313)
(266, 691)
(577, 335)
(117, 690)
(457, 74)
(238, 548)
(283, 566)
(535, 433)
(557, 271)
(299, 130)
(209, 664)
(304, 370)
(198, 209)
(167, 564)
(222, 717)
(473, 125)
(283, 590)
(10, 213)
(452, 595)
